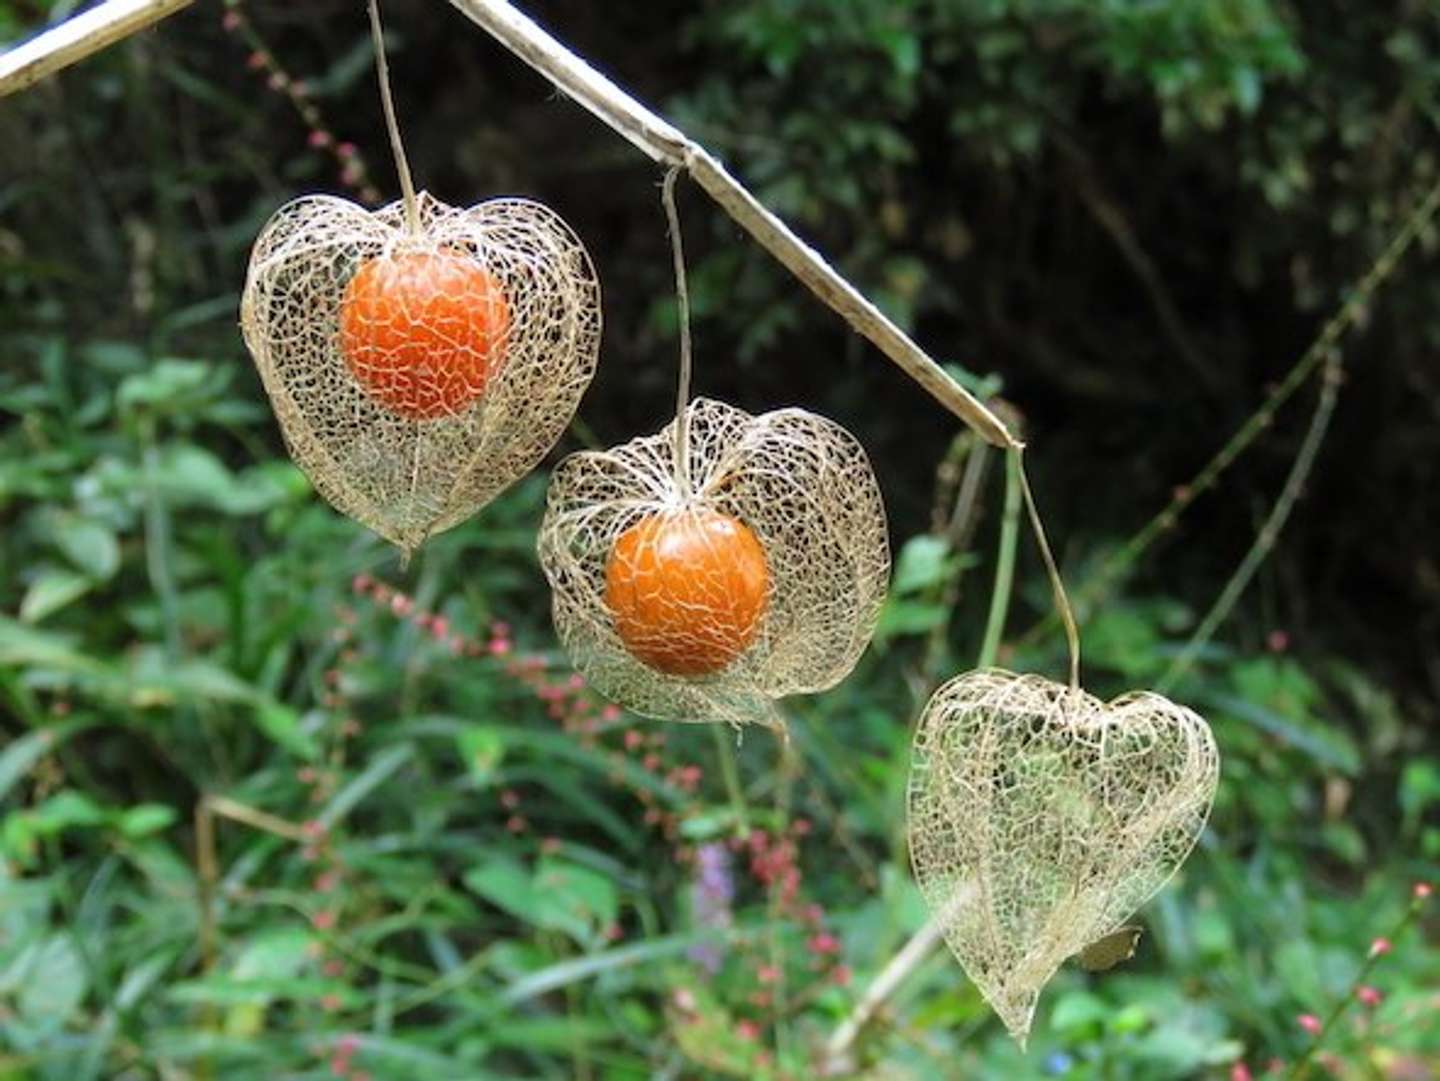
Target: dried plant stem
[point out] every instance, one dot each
(73, 40)
(1269, 532)
(1004, 564)
(682, 315)
(649, 132)
(392, 125)
(207, 875)
(1350, 312)
(1057, 585)
(664, 142)
(260, 820)
(896, 971)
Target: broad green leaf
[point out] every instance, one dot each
(90, 545)
(168, 385)
(282, 724)
(1077, 1012)
(146, 818)
(574, 899)
(503, 882)
(923, 562)
(51, 591)
(25, 647)
(65, 810)
(1419, 788)
(481, 749)
(56, 986)
(908, 617)
(17, 759)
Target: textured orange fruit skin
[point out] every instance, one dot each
(687, 590)
(423, 332)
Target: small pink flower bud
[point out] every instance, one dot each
(1309, 1022)
(1240, 1072)
(1380, 947)
(1423, 891)
(1368, 996)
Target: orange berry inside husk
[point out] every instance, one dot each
(687, 590)
(423, 332)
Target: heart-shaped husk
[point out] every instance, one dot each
(1041, 818)
(800, 483)
(408, 477)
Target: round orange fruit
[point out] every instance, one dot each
(423, 332)
(687, 590)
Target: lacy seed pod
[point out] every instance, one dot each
(1041, 818)
(418, 373)
(756, 573)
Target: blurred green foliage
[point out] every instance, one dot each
(258, 820)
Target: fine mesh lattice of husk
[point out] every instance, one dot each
(1041, 818)
(411, 472)
(805, 489)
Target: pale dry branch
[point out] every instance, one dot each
(73, 40)
(665, 143)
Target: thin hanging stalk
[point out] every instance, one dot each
(682, 313)
(392, 126)
(1057, 586)
(666, 143)
(649, 132)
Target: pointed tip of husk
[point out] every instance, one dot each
(1016, 1009)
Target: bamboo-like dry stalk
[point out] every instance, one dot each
(113, 20)
(665, 143)
(75, 39)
